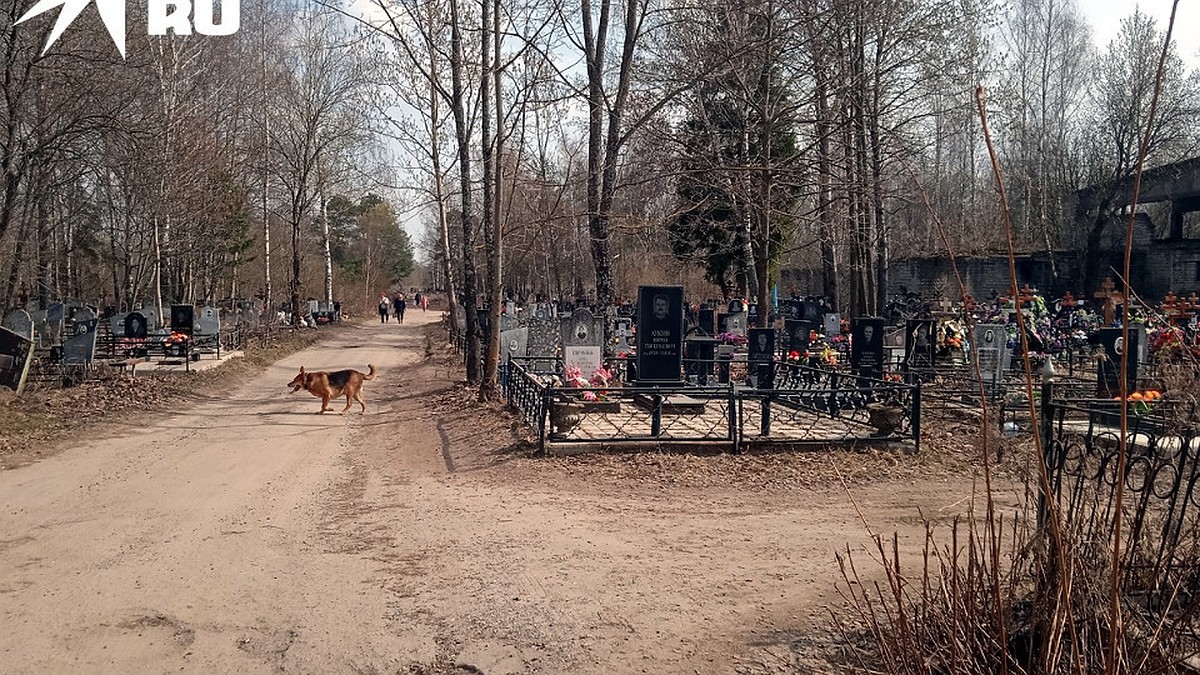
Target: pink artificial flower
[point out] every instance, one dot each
(589, 396)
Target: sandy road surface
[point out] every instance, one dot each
(247, 534)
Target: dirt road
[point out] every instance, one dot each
(247, 534)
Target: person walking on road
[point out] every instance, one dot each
(384, 306)
(400, 306)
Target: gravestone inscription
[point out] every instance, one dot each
(866, 347)
(660, 333)
(582, 342)
(992, 344)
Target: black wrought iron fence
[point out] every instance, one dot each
(1160, 504)
(835, 409)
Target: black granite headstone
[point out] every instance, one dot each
(761, 357)
(1108, 384)
(135, 326)
(866, 347)
(920, 344)
(707, 322)
(798, 333)
(80, 346)
(701, 354)
(183, 319)
(792, 309)
(660, 333)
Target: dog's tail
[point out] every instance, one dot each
(371, 374)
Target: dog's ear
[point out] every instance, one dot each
(301, 370)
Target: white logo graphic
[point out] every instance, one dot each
(112, 13)
(176, 16)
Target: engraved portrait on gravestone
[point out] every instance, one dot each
(661, 307)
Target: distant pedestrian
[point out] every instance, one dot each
(384, 306)
(424, 302)
(400, 304)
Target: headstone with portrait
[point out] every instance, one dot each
(136, 327)
(991, 341)
(791, 309)
(622, 332)
(866, 347)
(920, 344)
(16, 352)
(1108, 384)
(735, 323)
(208, 322)
(761, 358)
(514, 342)
(660, 333)
(183, 319)
(811, 311)
(798, 334)
(79, 347)
(583, 342)
(832, 324)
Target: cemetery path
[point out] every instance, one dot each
(247, 534)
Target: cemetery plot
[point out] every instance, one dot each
(822, 407)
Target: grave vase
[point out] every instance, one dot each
(564, 417)
(886, 418)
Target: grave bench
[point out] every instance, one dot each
(127, 363)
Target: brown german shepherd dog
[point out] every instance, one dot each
(337, 384)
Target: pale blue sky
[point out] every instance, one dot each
(1105, 17)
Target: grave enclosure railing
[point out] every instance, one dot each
(1161, 504)
(827, 408)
